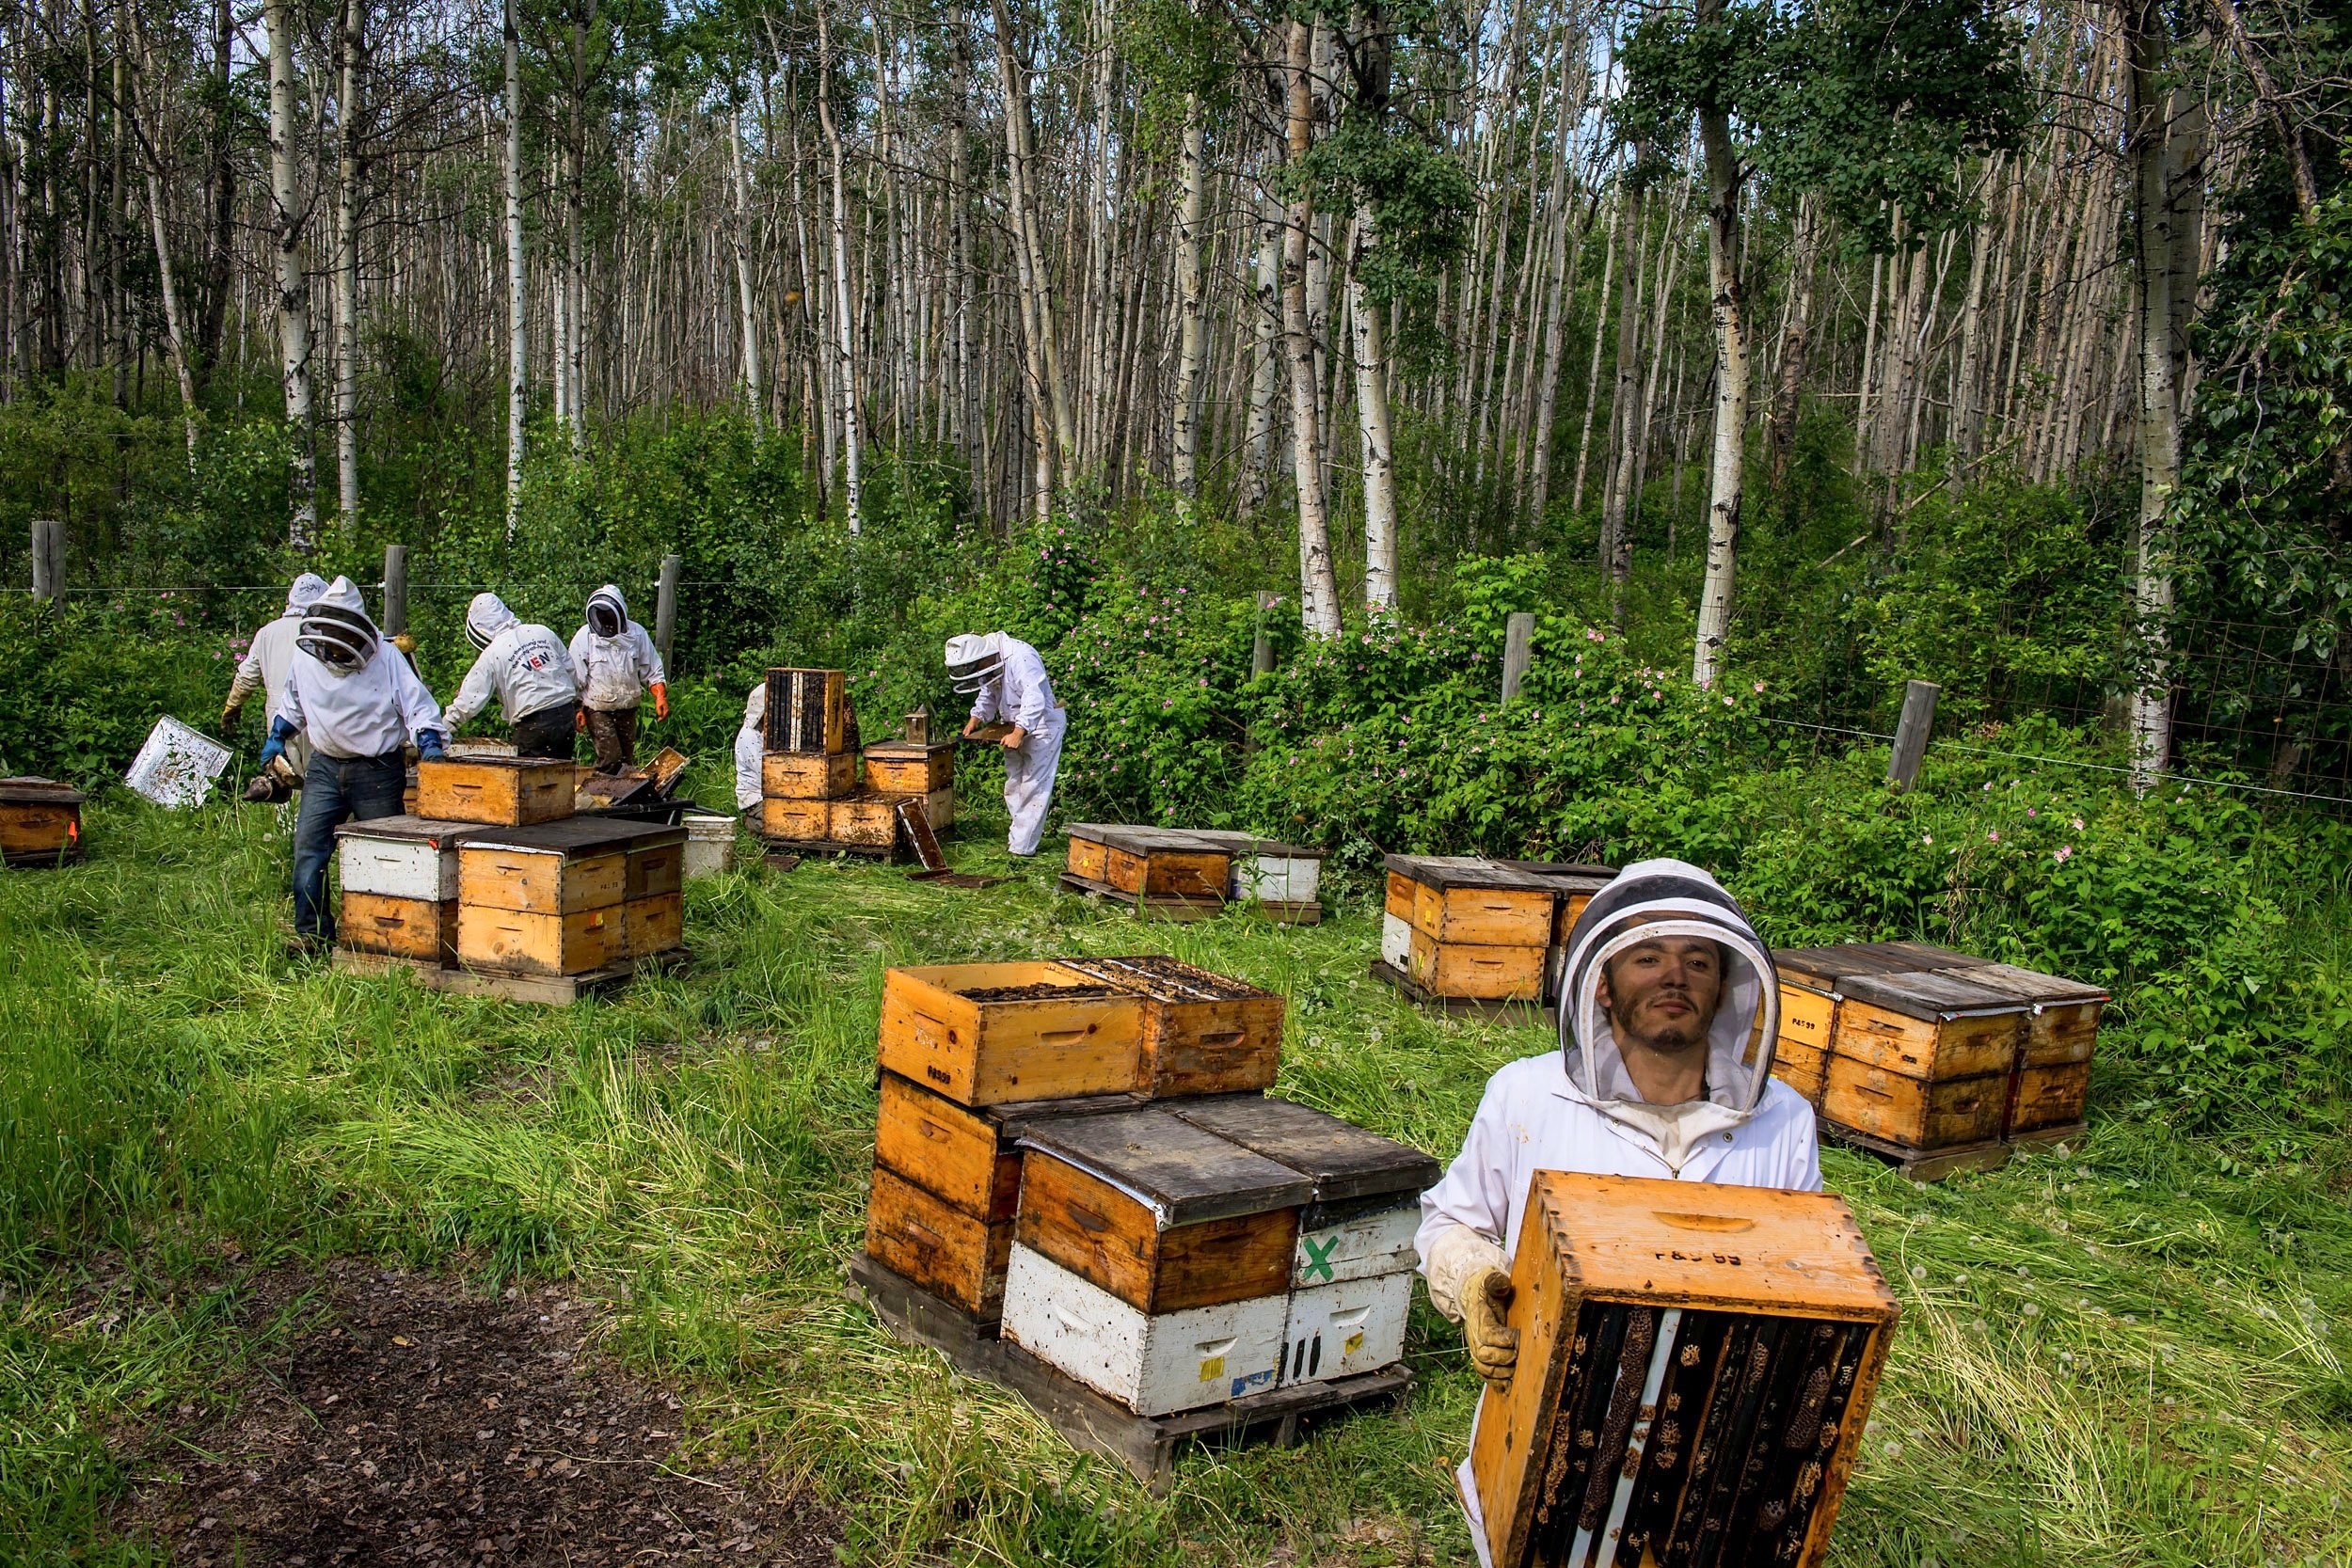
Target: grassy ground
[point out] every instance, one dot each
(2130, 1353)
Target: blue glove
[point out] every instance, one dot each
(429, 746)
(281, 731)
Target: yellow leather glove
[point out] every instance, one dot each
(405, 643)
(228, 712)
(1494, 1345)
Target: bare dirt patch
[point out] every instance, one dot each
(409, 1420)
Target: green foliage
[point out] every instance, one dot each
(87, 680)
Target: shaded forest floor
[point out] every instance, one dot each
(231, 1187)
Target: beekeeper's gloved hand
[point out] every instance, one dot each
(281, 731)
(229, 711)
(661, 701)
(431, 747)
(1494, 1346)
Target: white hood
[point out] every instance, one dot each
(974, 659)
(620, 606)
(337, 620)
(304, 594)
(486, 617)
(1656, 898)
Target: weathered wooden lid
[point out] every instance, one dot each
(1250, 843)
(1928, 956)
(2031, 985)
(1146, 841)
(519, 763)
(1017, 1116)
(1344, 1161)
(576, 837)
(1929, 995)
(1565, 875)
(1185, 1174)
(415, 830)
(1165, 979)
(1462, 871)
(1825, 966)
(908, 750)
(27, 790)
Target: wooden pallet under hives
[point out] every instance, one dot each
(554, 989)
(1146, 1445)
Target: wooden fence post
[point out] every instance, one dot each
(1262, 646)
(395, 589)
(666, 609)
(1911, 734)
(1518, 638)
(48, 557)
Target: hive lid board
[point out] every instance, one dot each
(1827, 966)
(1145, 841)
(1928, 956)
(908, 750)
(1930, 995)
(2031, 985)
(1250, 843)
(418, 829)
(1165, 979)
(1463, 871)
(1016, 1117)
(27, 790)
(576, 836)
(1343, 1161)
(1185, 1174)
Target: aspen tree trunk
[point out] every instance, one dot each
(2159, 410)
(754, 389)
(1730, 312)
(518, 299)
(851, 476)
(221, 186)
(294, 284)
(1319, 591)
(349, 174)
(1371, 413)
(1265, 293)
(1028, 235)
(1592, 371)
(960, 226)
(1796, 340)
(1192, 344)
(175, 335)
(1616, 536)
(1967, 408)
(1571, 239)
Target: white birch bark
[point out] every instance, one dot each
(518, 298)
(1265, 297)
(851, 473)
(1371, 415)
(293, 283)
(1192, 336)
(347, 176)
(754, 388)
(1726, 472)
(1319, 592)
(2159, 408)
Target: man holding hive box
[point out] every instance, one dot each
(617, 664)
(358, 706)
(1006, 679)
(528, 670)
(1664, 983)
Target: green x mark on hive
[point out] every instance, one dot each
(1319, 1258)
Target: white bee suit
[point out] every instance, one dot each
(1747, 1130)
(751, 750)
(1019, 693)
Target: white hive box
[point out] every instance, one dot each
(1360, 1246)
(1266, 869)
(1396, 942)
(1155, 1365)
(1339, 1330)
(400, 857)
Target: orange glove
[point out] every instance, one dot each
(661, 701)
(579, 719)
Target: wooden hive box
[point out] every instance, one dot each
(1202, 1033)
(867, 819)
(1923, 1061)
(1153, 1365)
(997, 1032)
(904, 768)
(1164, 1215)
(1265, 869)
(551, 899)
(2054, 1069)
(947, 1186)
(1487, 972)
(803, 821)
(418, 930)
(656, 924)
(808, 775)
(400, 885)
(808, 710)
(1473, 930)
(1696, 1363)
(40, 821)
(1158, 863)
(1573, 883)
(502, 791)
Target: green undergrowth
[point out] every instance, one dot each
(2130, 1351)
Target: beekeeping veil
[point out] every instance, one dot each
(304, 594)
(336, 630)
(974, 659)
(1667, 899)
(485, 618)
(607, 612)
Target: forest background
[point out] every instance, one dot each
(1773, 354)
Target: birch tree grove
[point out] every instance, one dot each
(1409, 280)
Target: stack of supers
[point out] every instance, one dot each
(1915, 1049)
(914, 768)
(810, 767)
(40, 822)
(1081, 1150)
(1190, 873)
(1462, 929)
(570, 897)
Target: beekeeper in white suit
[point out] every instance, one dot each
(1662, 985)
(1006, 680)
(751, 750)
(267, 660)
(528, 670)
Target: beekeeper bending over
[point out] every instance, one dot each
(358, 704)
(1006, 680)
(616, 663)
(751, 750)
(265, 662)
(1663, 984)
(528, 670)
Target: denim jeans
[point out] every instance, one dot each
(545, 734)
(334, 791)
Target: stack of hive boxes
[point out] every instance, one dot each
(1081, 1151)
(916, 767)
(495, 873)
(1925, 1049)
(810, 761)
(1457, 925)
(1195, 870)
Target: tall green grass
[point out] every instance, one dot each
(2132, 1351)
